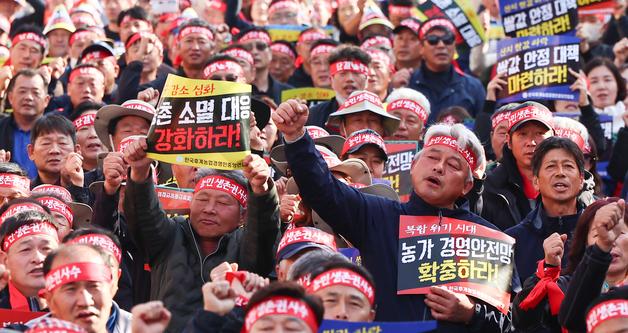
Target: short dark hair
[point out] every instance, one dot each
(23, 218)
(29, 28)
(605, 62)
(83, 107)
(336, 264)
(27, 72)
(458, 112)
(288, 289)
(324, 41)
(52, 123)
(18, 201)
(349, 52)
(246, 31)
(12, 168)
(554, 142)
(136, 12)
(221, 57)
(92, 230)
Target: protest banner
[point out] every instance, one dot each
(537, 67)
(12, 317)
(291, 33)
(397, 171)
(538, 17)
(201, 123)
(174, 200)
(311, 95)
(462, 14)
(461, 256)
(592, 7)
(352, 253)
(338, 326)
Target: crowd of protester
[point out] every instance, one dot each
(87, 244)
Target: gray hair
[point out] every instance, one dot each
(235, 175)
(411, 94)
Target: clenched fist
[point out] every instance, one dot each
(290, 118)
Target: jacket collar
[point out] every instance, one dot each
(417, 206)
(539, 221)
(454, 77)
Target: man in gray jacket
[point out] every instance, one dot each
(230, 220)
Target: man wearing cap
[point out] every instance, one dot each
(441, 176)
(437, 78)
(346, 289)
(28, 96)
(86, 83)
(282, 65)
(101, 55)
(348, 68)
(296, 242)
(26, 240)
(374, 23)
(222, 203)
(406, 44)
(303, 76)
(58, 31)
(319, 62)
(363, 110)
(412, 109)
(509, 194)
(558, 168)
(369, 147)
(258, 41)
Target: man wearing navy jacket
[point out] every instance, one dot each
(371, 223)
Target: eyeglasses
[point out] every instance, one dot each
(260, 46)
(447, 39)
(228, 77)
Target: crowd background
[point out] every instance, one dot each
(88, 243)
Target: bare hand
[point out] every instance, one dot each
(554, 248)
(581, 86)
(6, 74)
(257, 171)
(72, 171)
(495, 86)
(607, 223)
(449, 306)
(584, 43)
(219, 272)
(280, 184)
(289, 207)
(401, 78)
(621, 51)
(290, 118)
(135, 156)
(5, 155)
(149, 95)
(57, 67)
(151, 317)
(114, 170)
(218, 297)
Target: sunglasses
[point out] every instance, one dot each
(260, 46)
(228, 77)
(447, 39)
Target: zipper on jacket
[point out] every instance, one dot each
(440, 217)
(200, 257)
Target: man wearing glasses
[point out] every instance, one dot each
(257, 41)
(443, 84)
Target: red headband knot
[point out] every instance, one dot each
(225, 185)
(451, 142)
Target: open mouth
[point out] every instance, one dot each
(433, 181)
(86, 316)
(560, 186)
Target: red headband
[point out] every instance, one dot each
(375, 41)
(350, 66)
(498, 118)
(62, 192)
(363, 138)
(364, 96)
(529, 113)
(411, 24)
(284, 4)
(306, 235)
(87, 71)
(255, 35)
(97, 55)
(408, 104)
(616, 308)
(223, 65)
(225, 185)
(29, 36)
(310, 35)
(241, 54)
(196, 30)
(322, 49)
(281, 305)
(79, 34)
(218, 5)
(18, 208)
(16, 182)
(343, 277)
(316, 132)
(143, 34)
(100, 241)
(81, 271)
(572, 135)
(399, 10)
(283, 49)
(31, 229)
(448, 141)
(84, 121)
(439, 22)
(377, 54)
(133, 104)
(57, 206)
